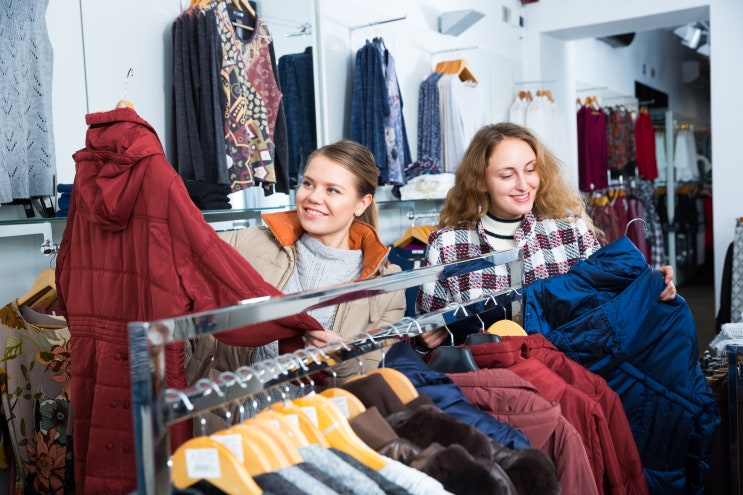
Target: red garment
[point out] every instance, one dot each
(647, 163)
(513, 400)
(584, 413)
(537, 346)
(135, 248)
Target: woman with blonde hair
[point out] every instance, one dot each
(329, 239)
(509, 192)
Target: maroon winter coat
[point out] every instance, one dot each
(135, 248)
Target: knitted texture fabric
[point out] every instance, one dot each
(27, 165)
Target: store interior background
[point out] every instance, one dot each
(96, 43)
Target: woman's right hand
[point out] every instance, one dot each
(434, 338)
(319, 338)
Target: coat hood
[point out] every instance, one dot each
(111, 167)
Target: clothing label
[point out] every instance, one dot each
(311, 413)
(293, 419)
(342, 403)
(232, 442)
(202, 463)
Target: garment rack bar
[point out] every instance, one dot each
(147, 341)
(375, 23)
(464, 48)
(527, 83)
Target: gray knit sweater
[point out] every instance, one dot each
(27, 163)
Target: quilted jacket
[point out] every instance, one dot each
(135, 248)
(605, 314)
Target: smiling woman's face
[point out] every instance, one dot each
(328, 201)
(512, 179)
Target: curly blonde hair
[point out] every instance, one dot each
(469, 200)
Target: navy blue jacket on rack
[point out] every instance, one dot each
(448, 397)
(605, 314)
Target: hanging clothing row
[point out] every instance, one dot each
(613, 209)
(376, 119)
(541, 114)
(297, 82)
(451, 109)
(613, 142)
(229, 122)
(148, 378)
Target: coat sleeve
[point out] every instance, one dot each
(215, 275)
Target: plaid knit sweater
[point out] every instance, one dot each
(550, 247)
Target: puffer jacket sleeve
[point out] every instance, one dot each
(215, 275)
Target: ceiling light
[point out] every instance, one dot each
(704, 50)
(690, 35)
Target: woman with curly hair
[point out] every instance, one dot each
(510, 192)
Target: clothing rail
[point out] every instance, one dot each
(153, 404)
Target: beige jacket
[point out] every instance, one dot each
(270, 250)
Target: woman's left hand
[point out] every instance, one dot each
(669, 293)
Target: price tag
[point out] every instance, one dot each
(342, 403)
(293, 419)
(202, 463)
(232, 442)
(311, 412)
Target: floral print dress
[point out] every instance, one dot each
(35, 385)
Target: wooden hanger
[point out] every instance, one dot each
(258, 441)
(293, 412)
(458, 67)
(280, 438)
(338, 431)
(250, 451)
(198, 458)
(44, 290)
(400, 384)
(505, 328)
(416, 233)
(291, 428)
(349, 403)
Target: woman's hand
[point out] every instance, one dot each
(434, 338)
(319, 338)
(669, 293)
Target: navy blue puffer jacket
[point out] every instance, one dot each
(605, 314)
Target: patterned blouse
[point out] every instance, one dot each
(35, 377)
(550, 247)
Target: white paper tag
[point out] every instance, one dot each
(293, 419)
(232, 442)
(311, 412)
(342, 403)
(202, 463)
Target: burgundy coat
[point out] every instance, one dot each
(135, 248)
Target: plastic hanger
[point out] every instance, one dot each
(204, 458)
(400, 384)
(338, 431)
(44, 290)
(452, 359)
(482, 337)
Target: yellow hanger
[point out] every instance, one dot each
(251, 451)
(506, 327)
(255, 440)
(400, 383)
(295, 413)
(43, 290)
(203, 458)
(339, 433)
(416, 233)
(352, 404)
(282, 422)
(281, 439)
